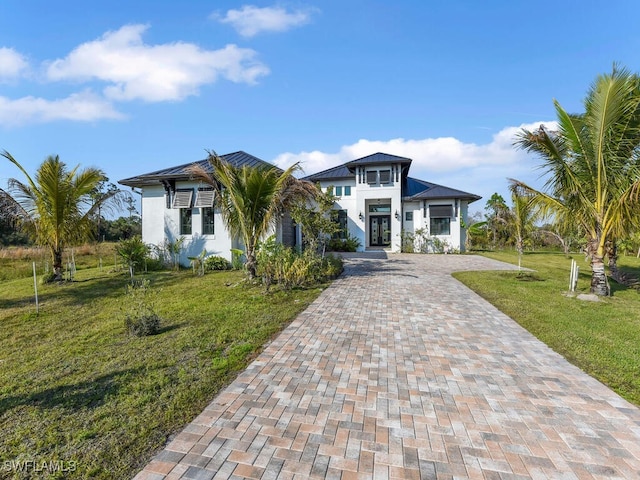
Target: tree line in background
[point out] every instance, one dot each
(106, 229)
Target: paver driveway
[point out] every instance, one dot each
(399, 371)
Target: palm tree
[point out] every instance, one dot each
(592, 165)
(56, 207)
(522, 219)
(251, 199)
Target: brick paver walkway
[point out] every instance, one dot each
(399, 371)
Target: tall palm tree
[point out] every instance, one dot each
(251, 199)
(55, 207)
(592, 165)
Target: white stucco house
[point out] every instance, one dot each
(175, 205)
(376, 200)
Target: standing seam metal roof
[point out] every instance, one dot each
(345, 170)
(237, 159)
(416, 189)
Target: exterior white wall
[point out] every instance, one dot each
(363, 195)
(350, 204)
(455, 240)
(152, 212)
(160, 224)
(415, 208)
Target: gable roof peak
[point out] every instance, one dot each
(379, 157)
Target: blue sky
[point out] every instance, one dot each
(132, 87)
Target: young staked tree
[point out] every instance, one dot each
(522, 220)
(55, 207)
(251, 199)
(592, 165)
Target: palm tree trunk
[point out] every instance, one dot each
(612, 255)
(251, 263)
(599, 283)
(57, 264)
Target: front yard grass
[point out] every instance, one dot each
(75, 389)
(602, 338)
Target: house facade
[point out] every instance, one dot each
(175, 206)
(377, 201)
(380, 204)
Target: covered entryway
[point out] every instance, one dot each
(380, 230)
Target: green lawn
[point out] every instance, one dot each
(75, 388)
(603, 338)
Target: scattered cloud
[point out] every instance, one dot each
(154, 73)
(84, 106)
(12, 64)
(250, 20)
(477, 168)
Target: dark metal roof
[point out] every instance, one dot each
(415, 189)
(347, 170)
(376, 158)
(341, 171)
(237, 159)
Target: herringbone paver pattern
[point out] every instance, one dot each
(399, 371)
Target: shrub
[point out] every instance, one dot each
(407, 240)
(422, 242)
(197, 263)
(216, 262)
(133, 251)
(288, 268)
(141, 318)
(349, 244)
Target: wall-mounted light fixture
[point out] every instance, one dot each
(397, 215)
(361, 216)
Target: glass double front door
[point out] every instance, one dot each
(380, 230)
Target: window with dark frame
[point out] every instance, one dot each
(347, 191)
(440, 226)
(408, 216)
(208, 221)
(440, 219)
(372, 176)
(185, 221)
(385, 176)
(338, 192)
(341, 220)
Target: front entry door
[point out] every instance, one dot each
(380, 231)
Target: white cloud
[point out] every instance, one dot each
(84, 106)
(476, 168)
(12, 64)
(251, 20)
(154, 73)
